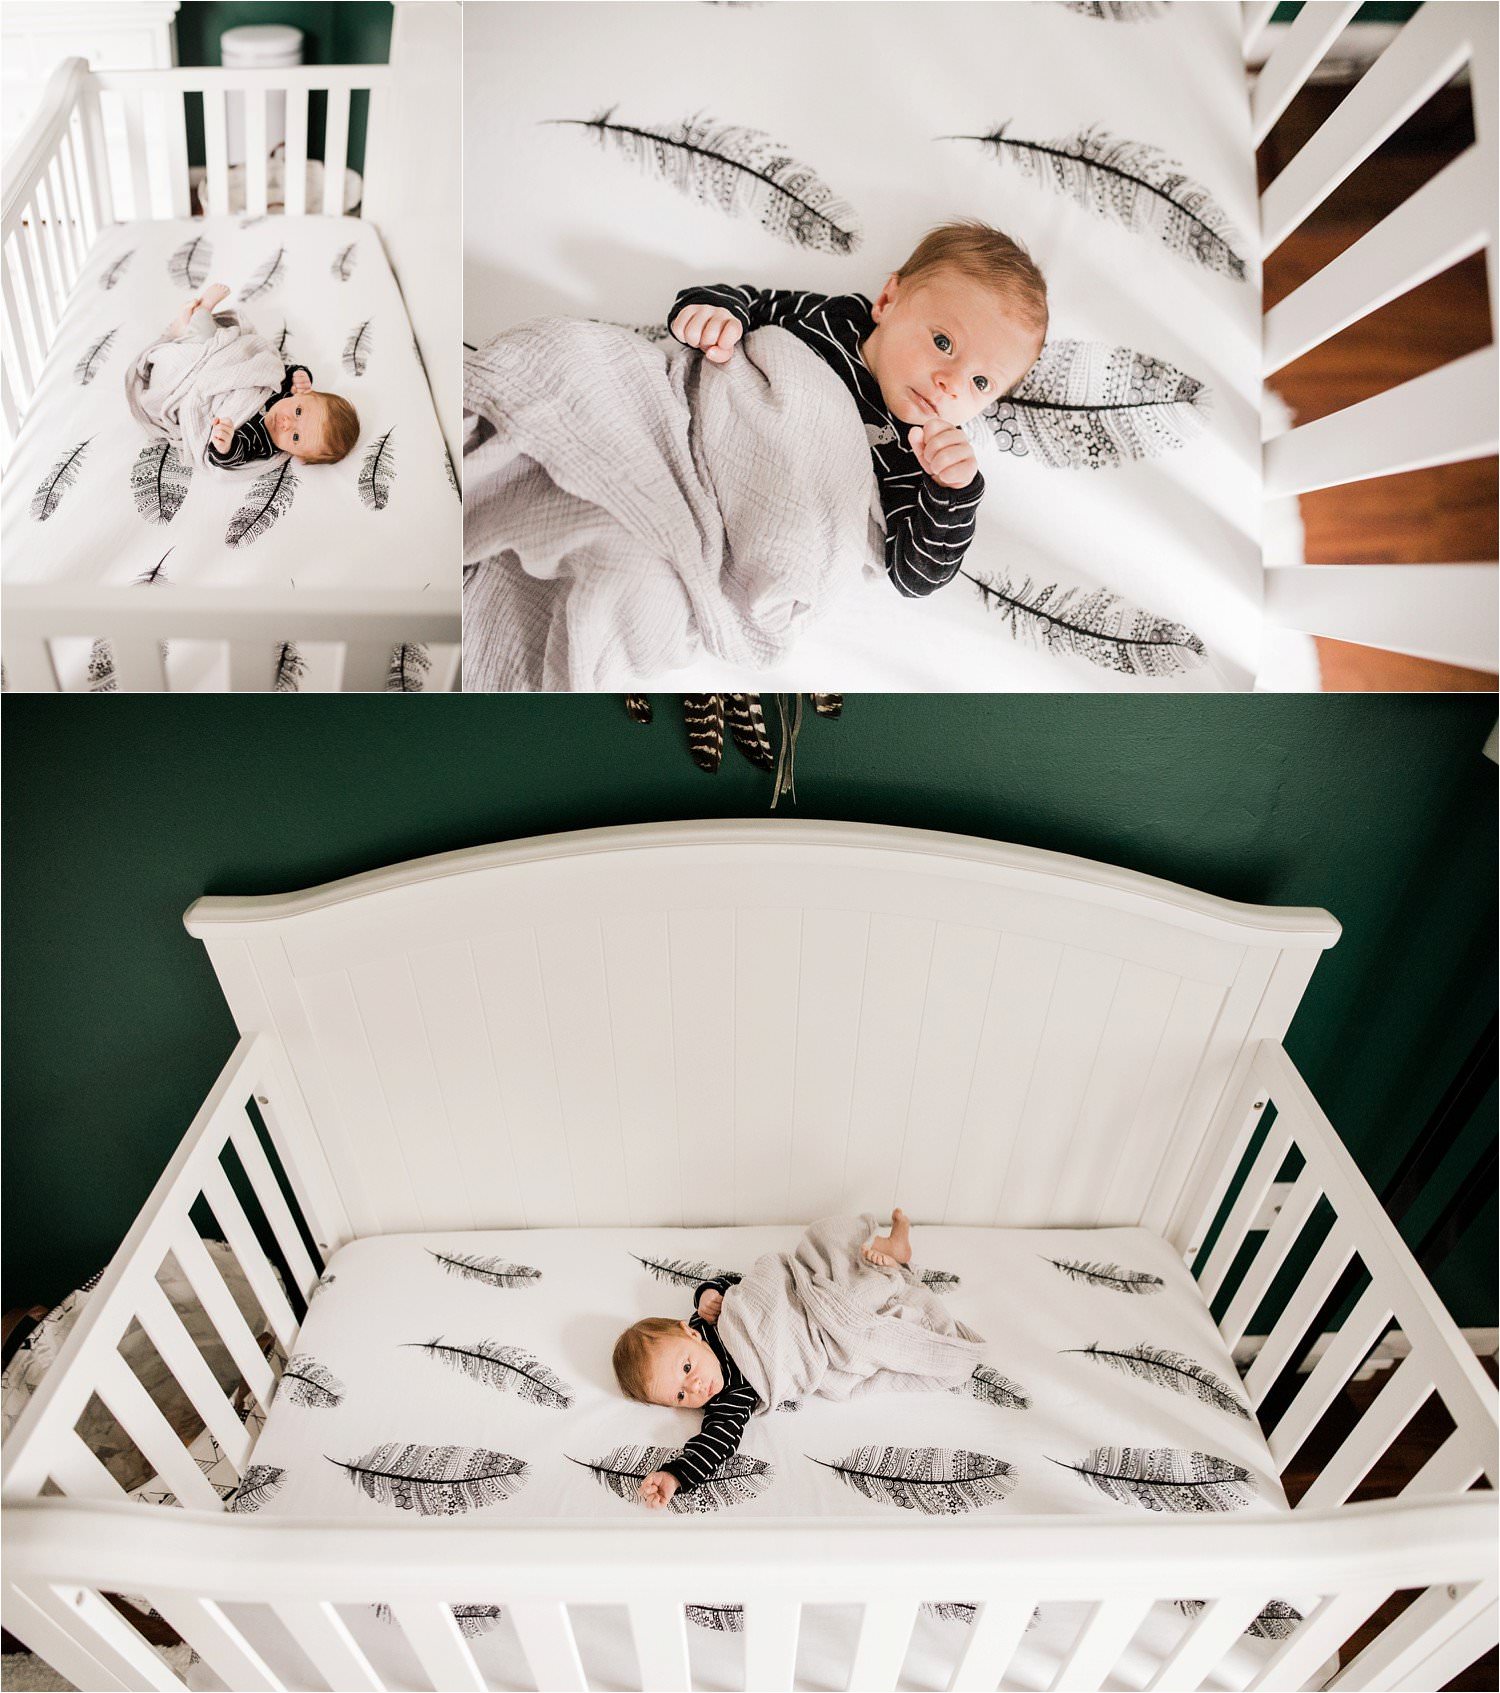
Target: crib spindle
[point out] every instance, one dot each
(1317, 1639)
(1104, 1636)
(138, 664)
(262, 1179)
(660, 1630)
(252, 667)
(1402, 1654)
(72, 215)
(38, 305)
(252, 1259)
(365, 666)
(101, 193)
(884, 1635)
(335, 151)
(48, 252)
(137, 1413)
(546, 1634)
(1257, 14)
(1398, 1401)
(1208, 1637)
(168, 1334)
(295, 189)
(202, 1275)
(1446, 612)
(1258, 1179)
(440, 1647)
(55, 1640)
(1358, 1333)
(76, 1470)
(994, 1635)
(215, 152)
(18, 345)
(220, 1644)
(56, 228)
(771, 1627)
(1279, 1239)
(139, 161)
(28, 659)
(1453, 1468)
(255, 150)
(323, 1634)
(173, 115)
(1314, 30)
(1313, 1288)
(111, 1654)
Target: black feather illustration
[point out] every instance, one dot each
(1092, 624)
(112, 276)
(291, 667)
(721, 1619)
(1164, 1479)
(259, 1483)
(1085, 405)
(741, 171)
(159, 481)
(269, 501)
(325, 1281)
(188, 266)
(407, 672)
(1116, 11)
(57, 481)
(638, 708)
(283, 338)
(357, 349)
(99, 675)
(1172, 1370)
(448, 471)
(935, 1480)
(941, 1281)
(435, 1481)
(789, 1407)
(1277, 1620)
(156, 576)
(473, 1620)
(949, 1610)
(681, 1272)
(1130, 183)
(343, 264)
(271, 274)
(494, 1272)
(747, 725)
(377, 473)
(991, 1388)
(1108, 1275)
(306, 1382)
(704, 716)
(94, 356)
(504, 1367)
(828, 705)
(623, 1469)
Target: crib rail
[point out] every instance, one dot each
(1447, 609)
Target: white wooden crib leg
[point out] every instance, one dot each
(661, 1648)
(218, 1642)
(1213, 1632)
(546, 1636)
(993, 1637)
(884, 1635)
(323, 1634)
(440, 1647)
(771, 1627)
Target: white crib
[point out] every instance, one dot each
(65, 183)
(1121, 1010)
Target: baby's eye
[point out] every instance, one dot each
(981, 383)
(295, 437)
(297, 412)
(942, 343)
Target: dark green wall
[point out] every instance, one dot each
(118, 813)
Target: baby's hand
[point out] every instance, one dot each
(711, 329)
(301, 382)
(710, 1305)
(221, 434)
(943, 451)
(658, 1488)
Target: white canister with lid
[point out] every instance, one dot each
(258, 47)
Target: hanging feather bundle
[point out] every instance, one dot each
(377, 473)
(342, 267)
(291, 667)
(747, 727)
(493, 1272)
(741, 171)
(269, 500)
(704, 717)
(738, 1479)
(112, 276)
(638, 708)
(720, 1619)
(1164, 1479)
(159, 481)
(1085, 405)
(681, 1272)
(94, 356)
(1108, 1275)
(270, 275)
(1276, 1621)
(356, 356)
(1174, 1371)
(435, 1481)
(1092, 624)
(57, 481)
(408, 669)
(989, 1387)
(258, 1484)
(828, 705)
(306, 1382)
(188, 266)
(505, 1368)
(935, 1480)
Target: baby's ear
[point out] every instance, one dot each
(886, 298)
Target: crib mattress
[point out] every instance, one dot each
(870, 99)
(1097, 1342)
(85, 498)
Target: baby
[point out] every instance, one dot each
(952, 331)
(901, 1338)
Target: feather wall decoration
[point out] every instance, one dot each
(707, 714)
(473, 1620)
(1108, 1275)
(306, 1382)
(1174, 1371)
(94, 356)
(188, 266)
(377, 473)
(1130, 183)
(269, 500)
(159, 481)
(747, 727)
(259, 1483)
(291, 667)
(506, 1368)
(493, 1272)
(435, 1481)
(681, 1272)
(741, 171)
(719, 1619)
(57, 481)
(935, 1480)
(638, 708)
(342, 267)
(111, 277)
(1164, 1479)
(1085, 405)
(941, 1281)
(704, 715)
(624, 1468)
(356, 356)
(1092, 624)
(270, 275)
(409, 666)
(989, 1387)
(827, 705)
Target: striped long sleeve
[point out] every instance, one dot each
(928, 527)
(252, 442)
(724, 1416)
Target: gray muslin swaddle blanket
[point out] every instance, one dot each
(821, 1319)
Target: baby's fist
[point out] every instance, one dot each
(710, 1305)
(943, 451)
(221, 434)
(711, 329)
(657, 1489)
(301, 382)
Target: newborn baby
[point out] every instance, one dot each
(952, 331)
(834, 1317)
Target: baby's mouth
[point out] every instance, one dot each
(926, 405)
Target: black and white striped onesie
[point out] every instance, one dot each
(725, 1415)
(927, 527)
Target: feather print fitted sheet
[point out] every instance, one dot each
(1113, 141)
(453, 1376)
(89, 497)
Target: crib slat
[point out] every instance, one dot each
(1359, 1332)
(49, 255)
(138, 664)
(56, 1640)
(135, 141)
(78, 169)
(173, 111)
(1109, 1630)
(1279, 1240)
(263, 1180)
(323, 1634)
(252, 667)
(79, 1473)
(1299, 53)
(1445, 416)
(295, 191)
(1211, 1634)
(255, 151)
(1429, 50)
(1314, 1286)
(136, 1412)
(27, 363)
(771, 1627)
(994, 1635)
(884, 1634)
(1446, 612)
(1453, 1468)
(1257, 14)
(546, 1634)
(441, 1649)
(122, 1656)
(205, 1627)
(365, 666)
(202, 1275)
(1399, 1655)
(72, 208)
(57, 234)
(169, 1335)
(101, 192)
(28, 664)
(335, 151)
(252, 1260)
(36, 306)
(1317, 1639)
(661, 1648)
(1395, 1405)
(215, 152)
(1242, 1213)
(9, 408)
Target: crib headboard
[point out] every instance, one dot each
(736, 1022)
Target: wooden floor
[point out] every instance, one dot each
(1443, 515)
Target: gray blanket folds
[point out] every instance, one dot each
(823, 1320)
(629, 505)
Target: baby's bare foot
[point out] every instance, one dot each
(892, 1248)
(212, 295)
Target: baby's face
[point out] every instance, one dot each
(684, 1372)
(945, 347)
(299, 425)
